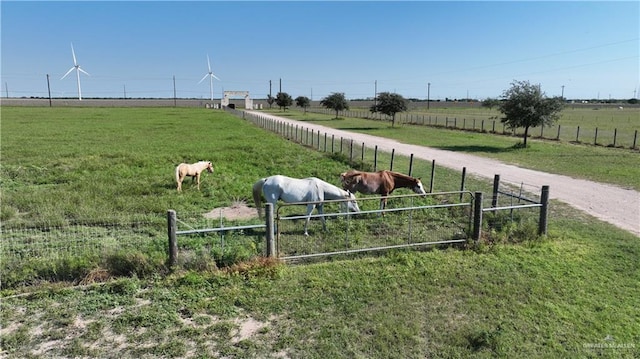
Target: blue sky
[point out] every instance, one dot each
(474, 49)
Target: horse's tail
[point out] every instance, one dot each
(178, 176)
(257, 194)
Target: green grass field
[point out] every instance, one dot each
(597, 163)
(606, 125)
(571, 294)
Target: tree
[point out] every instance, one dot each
(490, 103)
(527, 106)
(270, 100)
(304, 102)
(389, 104)
(336, 101)
(283, 100)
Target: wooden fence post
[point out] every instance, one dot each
(544, 211)
(477, 216)
(173, 242)
(271, 244)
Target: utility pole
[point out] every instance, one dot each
(6, 87)
(175, 101)
(280, 85)
(562, 95)
(48, 88)
(375, 93)
(125, 91)
(428, 94)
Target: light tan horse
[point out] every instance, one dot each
(192, 170)
(382, 182)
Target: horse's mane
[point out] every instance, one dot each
(401, 175)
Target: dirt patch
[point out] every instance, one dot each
(238, 210)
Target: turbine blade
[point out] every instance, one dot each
(83, 71)
(216, 77)
(205, 76)
(208, 63)
(74, 55)
(68, 72)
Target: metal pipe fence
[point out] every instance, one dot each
(407, 221)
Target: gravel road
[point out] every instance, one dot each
(615, 205)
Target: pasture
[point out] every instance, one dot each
(597, 163)
(571, 294)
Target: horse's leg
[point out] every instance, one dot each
(321, 213)
(180, 179)
(383, 205)
(198, 180)
(310, 208)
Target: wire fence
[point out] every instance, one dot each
(50, 242)
(576, 134)
(408, 220)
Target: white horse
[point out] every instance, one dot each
(292, 190)
(192, 170)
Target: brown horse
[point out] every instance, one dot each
(382, 182)
(192, 170)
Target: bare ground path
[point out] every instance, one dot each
(615, 205)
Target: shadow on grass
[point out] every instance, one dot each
(479, 149)
(315, 119)
(361, 128)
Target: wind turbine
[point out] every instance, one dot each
(78, 70)
(211, 77)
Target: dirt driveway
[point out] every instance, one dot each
(609, 203)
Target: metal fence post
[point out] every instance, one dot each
(496, 187)
(375, 159)
(462, 182)
(393, 152)
(411, 165)
(271, 245)
(477, 216)
(433, 175)
(173, 242)
(544, 211)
